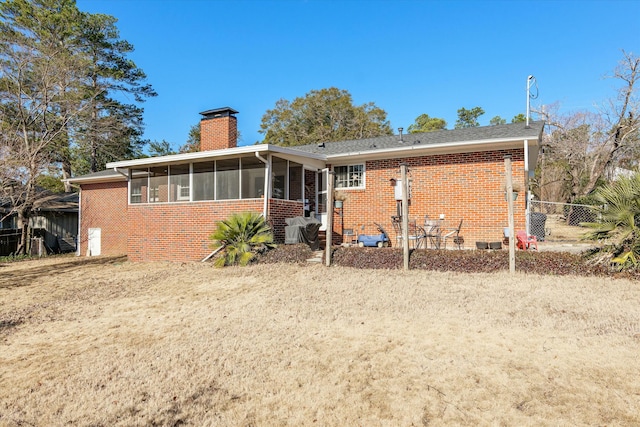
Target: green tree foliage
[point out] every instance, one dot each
(60, 72)
(40, 95)
(160, 148)
(468, 118)
(519, 118)
(619, 221)
(110, 129)
(322, 116)
(497, 120)
(425, 123)
(50, 182)
(193, 142)
(241, 236)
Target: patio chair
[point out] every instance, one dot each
(525, 241)
(417, 234)
(458, 240)
(433, 231)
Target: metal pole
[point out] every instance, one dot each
(509, 195)
(528, 99)
(405, 215)
(329, 239)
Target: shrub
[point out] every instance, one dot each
(474, 261)
(374, 258)
(293, 254)
(617, 225)
(241, 236)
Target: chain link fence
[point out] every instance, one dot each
(559, 222)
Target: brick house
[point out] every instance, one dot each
(164, 208)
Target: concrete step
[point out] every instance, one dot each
(317, 257)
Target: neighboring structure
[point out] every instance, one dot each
(164, 208)
(54, 219)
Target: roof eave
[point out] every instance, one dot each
(212, 154)
(430, 149)
(95, 180)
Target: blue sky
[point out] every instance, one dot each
(408, 57)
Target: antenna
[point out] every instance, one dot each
(530, 80)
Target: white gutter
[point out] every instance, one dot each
(78, 240)
(526, 158)
(526, 182)
(267, 182)
(125, 174)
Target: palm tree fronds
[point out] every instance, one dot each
(242, 234)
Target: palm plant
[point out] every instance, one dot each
(619, 217)
(240, 236)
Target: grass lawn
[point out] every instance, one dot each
(105, 342)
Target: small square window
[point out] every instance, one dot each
(351, 176)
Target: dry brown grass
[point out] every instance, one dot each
(107, 342)
(561, 231)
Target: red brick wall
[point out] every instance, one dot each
(104, 206)
(178, 231)
(464, 186)
(218, 133)
(167, 231)
(461, 186)
(279, 210)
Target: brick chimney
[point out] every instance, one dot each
(218, 129)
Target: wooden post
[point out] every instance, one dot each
(405, 216)
(329, 239)
(509, 195)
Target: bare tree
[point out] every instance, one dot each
(38, 99)
(587, 146)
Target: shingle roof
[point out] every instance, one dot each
(107, 173)
(513, 131)
(477, 135)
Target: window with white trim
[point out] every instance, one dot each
(136, 189)
(350, 176)
(179, 183)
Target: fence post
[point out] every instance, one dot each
(512, 234)
(405, 216)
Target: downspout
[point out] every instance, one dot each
(78, 239)
(267, 183)
(125, 174)
(526, 183)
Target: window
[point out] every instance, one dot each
(158, 184)
(179, 183)
(227, 179)
(279, 173)
(252, 178)
(139, 185)
(296, 183)
(136, 190)
(351, 176)
(203, 181)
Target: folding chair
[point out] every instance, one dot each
(417, 235)
(458, 240)
(526, 241)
